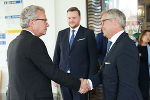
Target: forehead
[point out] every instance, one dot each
(147, 33)
(72, 13)
(41, 14)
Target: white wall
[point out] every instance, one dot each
(61, 7)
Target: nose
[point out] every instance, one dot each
(47, 25)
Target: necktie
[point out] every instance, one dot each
(108, 45)
(72, 38)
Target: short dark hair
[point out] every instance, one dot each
(74, 9)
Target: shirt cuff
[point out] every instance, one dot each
(91, 85)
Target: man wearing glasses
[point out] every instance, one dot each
(120, 68)
(29, 65)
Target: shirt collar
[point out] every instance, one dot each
(28, 31)
(115, 37)
(76, 30)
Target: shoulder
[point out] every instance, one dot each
(36, 42)
(64, 30)
(125, 42)
(86, 29)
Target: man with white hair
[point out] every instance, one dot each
(120, 68)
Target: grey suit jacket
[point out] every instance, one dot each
(31, 70)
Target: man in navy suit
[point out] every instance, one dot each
(101, 41)
(76, 53)
(29, 65)
(120, 68)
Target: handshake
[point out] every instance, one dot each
(85, 86)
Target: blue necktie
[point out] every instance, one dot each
(72, 38)
(108, 45)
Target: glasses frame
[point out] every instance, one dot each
(45, 20)
(102, 21)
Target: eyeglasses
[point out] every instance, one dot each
(45, 20)
(102, 21)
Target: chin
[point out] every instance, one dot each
(44, 33)
(72, 26)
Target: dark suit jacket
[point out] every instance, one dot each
(102, 46)
(82, 57)
(31, 70)
(120, 71)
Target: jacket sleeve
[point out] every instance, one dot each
(93, 53)
(39, 56)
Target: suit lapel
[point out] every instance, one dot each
(78, 35)
(123, 35)
(67, 39)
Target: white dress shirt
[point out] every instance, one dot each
(76, 30)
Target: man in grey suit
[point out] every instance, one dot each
(120, 69)
(76, 53)
(29, 65)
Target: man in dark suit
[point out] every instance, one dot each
(29, 65)
(102, 46)
(76, 53)
(120, 69)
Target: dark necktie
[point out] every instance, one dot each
(72, 38)
(108, 45)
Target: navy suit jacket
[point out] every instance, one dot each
(102, 46)
(82, 57)
(31, 70)
(120, 70)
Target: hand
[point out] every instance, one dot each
(140, 54)
(85, 86)
(56, 84)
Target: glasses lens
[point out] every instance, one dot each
(101, 22)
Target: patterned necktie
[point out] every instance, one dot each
(108, 45)
(72, 38)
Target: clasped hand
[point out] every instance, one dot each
(85, 86)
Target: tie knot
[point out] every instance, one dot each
(108, 45)
(109, 42)
(73, 31)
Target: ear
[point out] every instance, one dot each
(31, 22)
(115, 20)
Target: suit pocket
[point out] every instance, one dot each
(81, 39)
